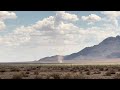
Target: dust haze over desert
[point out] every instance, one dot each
(80, 37)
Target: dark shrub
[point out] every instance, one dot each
(17, 76)
(55, 75)
(36, 72)
(38, 77)
(107, 73)
(24, 74)
(112, 71)
(117, 76)
(97, 72)
(101, 69)
(14, 69)
(88, 73)
(27, 72)
(2, 70)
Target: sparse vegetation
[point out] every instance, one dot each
(23, 74)
(101, 69)
(17, 76)
(112, 71)
(27, 72)
(36, 72)
(66, 76)
(117, 76)
(60, 71)
(97, 72)
(107, 73)
(14, 69)
(37, 77)
(55, 75)
(2, 70)
(88, 72)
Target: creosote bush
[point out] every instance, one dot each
(88, 73)
(2, 70)
(117, 76)
(36, 72)
(107, 73)
(17, 76)
(55, 75)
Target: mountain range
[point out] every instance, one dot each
(107, 49)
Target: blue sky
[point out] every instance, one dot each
(31, 35)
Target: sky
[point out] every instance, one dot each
(31, 35)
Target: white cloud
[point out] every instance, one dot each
(2, 25)
(112, 16)
(6, 15)
(46, 23)
(47, 32)
(13, 39)
(52, 22)
(62, 15)
(91, 18)
(56, 34)
(45, 28)
(66, 26)
(48, 27)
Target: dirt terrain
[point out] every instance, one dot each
(59, 71)
(85, 62)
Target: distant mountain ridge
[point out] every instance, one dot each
(51, 57)
(108, 48)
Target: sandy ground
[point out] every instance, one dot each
(90, 62)
(79, 62)
(94, 62)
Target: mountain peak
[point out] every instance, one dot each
(118, 36)
(108, 48)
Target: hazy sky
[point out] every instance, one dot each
(31, 35)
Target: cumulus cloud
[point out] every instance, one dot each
(66, 16)
(112, 16)
(52, 22)
(49, 32)
(2, 25)
(6, 15)
(91, 18)
(13, 39)
(48, 27)
(56, 34)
